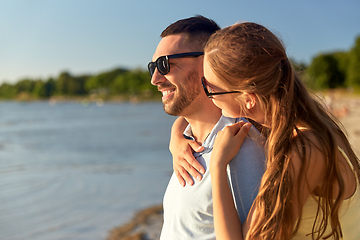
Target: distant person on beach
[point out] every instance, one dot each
(176, 70)
(311, 188)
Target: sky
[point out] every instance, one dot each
(42, 38)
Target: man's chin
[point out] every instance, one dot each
(171, 110)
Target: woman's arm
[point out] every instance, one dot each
(225, 148)
(184, 163)
(226, 219)
(227, 144)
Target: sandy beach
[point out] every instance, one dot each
(346, 108)
(146, 224)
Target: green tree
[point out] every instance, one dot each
(63, 83)
(50, 87)
(325, 72)
(120, 84)
(39, 90)
(103, 80)
(146, 81)
(7, 91)
(133, 82)
(342, 59)
(353, 71)
(77, 85)
(25, 85)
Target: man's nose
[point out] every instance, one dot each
(157, 78)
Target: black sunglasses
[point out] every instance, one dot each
(209, 93)
(162, 63)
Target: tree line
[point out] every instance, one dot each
(326, 71)
(335, 70)
(116, 82)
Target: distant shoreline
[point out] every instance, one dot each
(86, 100)
(90, 98)
(344, 93)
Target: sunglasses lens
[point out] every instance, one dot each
(151, 67)
(162, 64)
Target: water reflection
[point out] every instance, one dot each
(74, 172)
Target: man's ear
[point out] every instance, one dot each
(250, 100)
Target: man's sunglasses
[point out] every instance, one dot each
(162, 63)
(209, 92)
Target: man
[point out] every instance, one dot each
(176, 70)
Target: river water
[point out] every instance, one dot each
(73, 171)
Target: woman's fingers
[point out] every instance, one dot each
(180, 178)
(186, 165)
(184, 170)
(192, 160)
(239, 129)
(243, 131)
(228, 143)
(183, 177)
(196, 147)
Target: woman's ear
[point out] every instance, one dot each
(250, 100)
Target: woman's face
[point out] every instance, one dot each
(229, 105)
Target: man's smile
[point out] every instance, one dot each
(167, 93)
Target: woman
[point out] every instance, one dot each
(310, 189)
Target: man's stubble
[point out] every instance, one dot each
(186, 93)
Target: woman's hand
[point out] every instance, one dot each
(184, 163)
(227, 144)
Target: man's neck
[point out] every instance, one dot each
(203, 120)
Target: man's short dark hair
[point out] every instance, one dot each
(196, 28)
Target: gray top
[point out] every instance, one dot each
(188, 211)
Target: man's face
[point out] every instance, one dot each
(181, 85)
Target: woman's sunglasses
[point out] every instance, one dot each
(162, 63)
(209, 92)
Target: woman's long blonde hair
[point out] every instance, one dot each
(248, 57)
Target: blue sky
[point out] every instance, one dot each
(41, 38)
